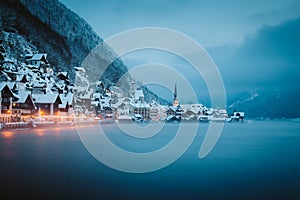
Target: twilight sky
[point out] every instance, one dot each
(211, 23)
(249, 39)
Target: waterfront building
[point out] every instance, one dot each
(48, 104)
(139, 106)
(175, 111)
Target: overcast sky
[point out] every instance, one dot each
(213, 24)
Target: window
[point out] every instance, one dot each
(5, 100)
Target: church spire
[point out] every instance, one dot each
(175, 92)
(175, 101)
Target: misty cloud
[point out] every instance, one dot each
(270, 58)
(267, 65)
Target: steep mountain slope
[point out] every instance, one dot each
(55, 29)
(16, 20)
(50, 27)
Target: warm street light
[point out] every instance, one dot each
(41, 113)
(10, 108)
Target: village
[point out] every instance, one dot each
(32, 93)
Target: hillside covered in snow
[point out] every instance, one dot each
(49, 26)
(33, 26)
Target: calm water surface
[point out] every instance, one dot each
(254, 160)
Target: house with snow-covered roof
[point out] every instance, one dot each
(22, 78)
(139, 95)
(139, 106)
(175, 111)
(66, 105)
(12, 85)
(6, 98)
(103, 108)
(39, 61)
(24, 105)
(47, 104)
(63, 75)
(84, 98)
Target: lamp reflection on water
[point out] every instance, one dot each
(39, 132)
(7, 134)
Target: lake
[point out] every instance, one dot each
(254, 160)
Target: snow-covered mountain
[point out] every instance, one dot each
(50, 27)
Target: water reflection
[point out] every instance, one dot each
(7, 134)
(40, 132)
(7, 148)
(259, 156)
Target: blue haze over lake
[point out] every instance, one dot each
(254, 160)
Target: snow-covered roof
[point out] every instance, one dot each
(138, 94)
(38, 56)
(79, 69)
(222, 111)
(28, 55)
(139, 105)
(209, 111)
(94, 103)
(195, 108)
(98, 83)
(96, 95)
(63, 73)
(10, 84)
(176, 109)
(20, 77)
(63, 104)
(8, 60)
(171, 108)
(241, 114)
(138, 116)
(2, 85)
(66, 98)
(38, 85)
(86, 95)
(22, 96)
(57, 85)
(45, 98)
(170, 117)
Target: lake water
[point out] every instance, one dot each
(254, 160)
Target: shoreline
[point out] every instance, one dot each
(68, 124)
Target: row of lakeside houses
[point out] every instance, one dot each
(33, 89)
